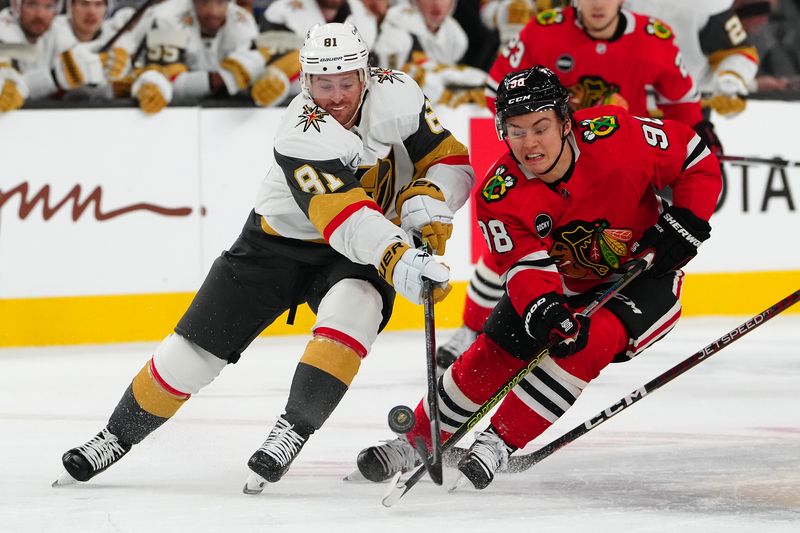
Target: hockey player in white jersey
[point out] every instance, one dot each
(88, 26)
(714, 45)
(357, 150)
(425, 40)
(199, 48)
(299, 16)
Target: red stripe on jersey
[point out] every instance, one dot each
(164, 385)
(660, 332)
(343, 338)
(453, 160)
(345, 213)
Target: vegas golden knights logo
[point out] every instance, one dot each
(378, 181)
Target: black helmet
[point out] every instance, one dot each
(526, 91)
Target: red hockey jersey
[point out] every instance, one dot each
(643, 55)
(570, 236)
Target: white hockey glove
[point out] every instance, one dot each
(404, 268)
(77, 67)
(13, 90)
(727, 99)
(240, 69)
(153, 90)
(424, 213)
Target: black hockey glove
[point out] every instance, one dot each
(673, 240)
(549, 319)
(705, 129)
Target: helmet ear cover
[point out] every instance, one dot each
(528, 91)
(333, 48)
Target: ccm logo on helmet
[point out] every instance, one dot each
(519, 99)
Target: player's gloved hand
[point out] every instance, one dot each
(511, 17)
(729, 88)
(424, 212)
(153, 90)
(116, 63)
(705, 129)
(13, 89)
(550, 320)
(671, 242)
(271, 88)
(77, 67)
(404, 268)
(240, 69)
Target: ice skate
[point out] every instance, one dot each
(487, 455)
(271, 461)
(379, 463)
(84, 462)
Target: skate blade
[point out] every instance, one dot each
(460, 483)
(356, 476)
(395, 491)
(254, 484)
(64, 480)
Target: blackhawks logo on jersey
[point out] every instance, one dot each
(311, 117)
(590, 91)
(385, 74)
(498, 185)
(549, 17)
(590, 249)
(599, 127)
(658, 28)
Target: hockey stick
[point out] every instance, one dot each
(524, 462)
(398, 488)
(774, 162)
(128, 25)
(434, 467)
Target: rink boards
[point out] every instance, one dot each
(106, 230)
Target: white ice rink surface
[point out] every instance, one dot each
(718, 449)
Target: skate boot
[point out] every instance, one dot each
(273, 458)
(379, 463)
(487, 455)
(86, 461)
(448, 352)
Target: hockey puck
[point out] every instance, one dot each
(401, 419)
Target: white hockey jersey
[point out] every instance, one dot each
(710, 36)
(11, 33)
(205, 53)
(327, 182)
(447, 46)
(300, 16)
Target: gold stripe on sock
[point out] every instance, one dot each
(333, 358)
(152, 397)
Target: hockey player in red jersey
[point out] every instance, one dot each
(562, 213)
(604, 55)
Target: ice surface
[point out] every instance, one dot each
(717, 449)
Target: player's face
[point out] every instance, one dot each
(434, 11)
(598, 15)
(377, 7)
(35, 16)
(338, 94)
(535, 140)
(211, 15)
(88, 15)
(330, 4)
